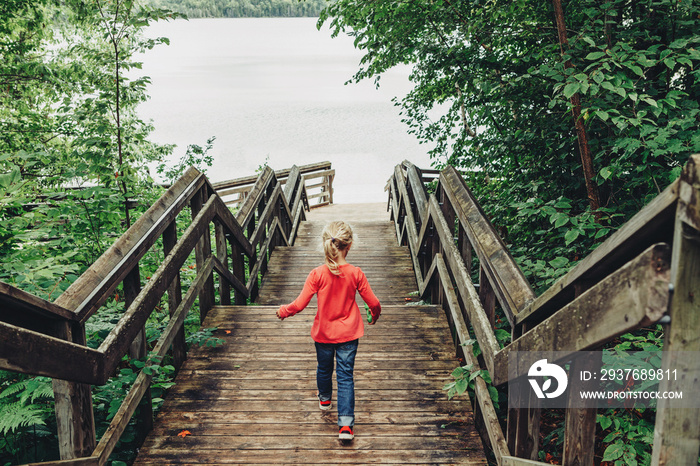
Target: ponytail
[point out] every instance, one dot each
(336, 238)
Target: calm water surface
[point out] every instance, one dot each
(272, 89)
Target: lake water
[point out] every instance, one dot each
(272, 90)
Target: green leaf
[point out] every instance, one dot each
(670, 62)
(603, 115)
(8, 179)
(571, 236)
(602, 232)
(605, 172)
(559, 262)
(461, 385)
(562, 219)
(571, 89)
(595, 55)
(589, 41)
(604, 421)
(613, 452)
(607, 85)
(637, 70)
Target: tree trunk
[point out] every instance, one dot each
(583, 146)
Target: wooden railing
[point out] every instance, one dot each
(621, 286)
(44, 338)
(234, 192)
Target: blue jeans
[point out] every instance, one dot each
(345, 355)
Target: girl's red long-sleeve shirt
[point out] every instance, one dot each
(338, 318)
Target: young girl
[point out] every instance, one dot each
(338, 324)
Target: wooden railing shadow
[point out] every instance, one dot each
(621, 286)
(43, 338)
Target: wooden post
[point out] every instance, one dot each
(202, 251)
(447, 211)
(487, 296)
(523, 428)
(179, 347)
(222, 255)
(579, 425)
(677, 431)
(137, 350)
(251, 261)
(464, 247)
(238, 269)
(75, 418)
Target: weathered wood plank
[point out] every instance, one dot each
(508, 282)
(340, 456)
(418, 189)
(201, 443)
(88, 461)
(246, 213)
(429, 427)
(222, 260)
(580, 424)
(17, 307)
(513, 461)
(292, 181)
(34, 353)
(230, 278)
(639, 290)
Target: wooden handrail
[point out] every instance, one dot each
(623, 285)
(53, 344)
(250, 186)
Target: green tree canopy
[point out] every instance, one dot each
(494, 89)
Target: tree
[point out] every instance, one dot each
(494, 83)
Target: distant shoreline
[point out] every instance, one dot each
(242, 9)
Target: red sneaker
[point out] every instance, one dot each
(324, 405)
(346, 433)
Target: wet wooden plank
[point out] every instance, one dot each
(279, 456)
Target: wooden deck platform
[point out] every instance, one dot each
(252, 400)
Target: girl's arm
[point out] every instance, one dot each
(368, 296)
(298, 305)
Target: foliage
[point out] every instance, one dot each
(195, 156)
(243, 8)
(491, 96)
(26, 416)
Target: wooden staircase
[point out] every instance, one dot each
(252, 400)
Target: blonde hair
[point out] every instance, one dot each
(336, 238)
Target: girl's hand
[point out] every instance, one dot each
(278, 315)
